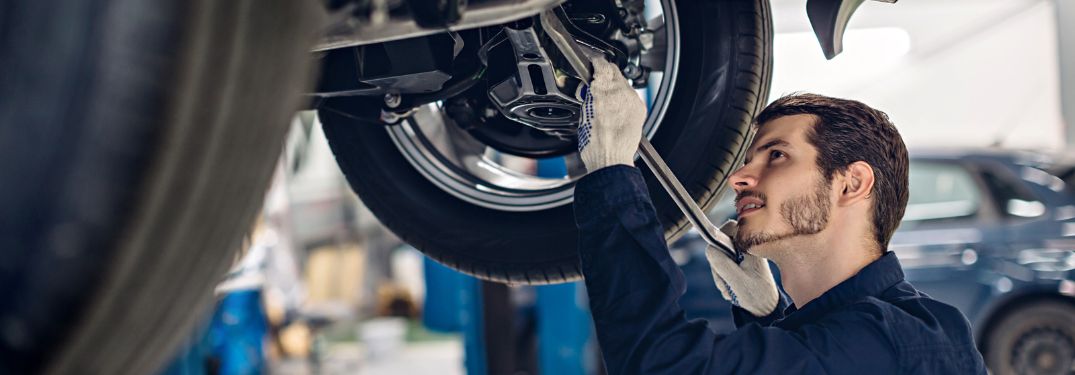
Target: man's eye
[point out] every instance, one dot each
(776, 154)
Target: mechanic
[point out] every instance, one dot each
(822, 188)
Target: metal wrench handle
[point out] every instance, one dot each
(686, 204)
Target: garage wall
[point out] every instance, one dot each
(955, 72)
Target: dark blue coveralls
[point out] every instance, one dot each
(873, 323)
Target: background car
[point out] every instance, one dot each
(990, 232)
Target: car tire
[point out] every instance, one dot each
(136, 141)
(1035, 339)
(722, 81)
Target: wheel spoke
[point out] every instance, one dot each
(654, 45)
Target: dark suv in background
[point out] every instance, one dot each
(991, 232)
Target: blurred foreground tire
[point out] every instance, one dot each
(1036, 339)
(136, 141)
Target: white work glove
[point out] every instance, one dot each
(749, 284)
(612, 116)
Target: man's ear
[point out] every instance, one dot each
(857, 183)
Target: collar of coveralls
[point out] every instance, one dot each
(872, 280)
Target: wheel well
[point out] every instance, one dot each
(1013, 304)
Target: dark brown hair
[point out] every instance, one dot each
(847, 131)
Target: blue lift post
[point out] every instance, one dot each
(231, 343)
(453, 304)
(564, 330)
(459, 303)
(564, 323)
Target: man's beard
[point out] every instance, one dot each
(807, 214)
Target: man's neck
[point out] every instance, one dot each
(813, 268)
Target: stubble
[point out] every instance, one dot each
(807, 214)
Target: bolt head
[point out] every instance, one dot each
(392, 100)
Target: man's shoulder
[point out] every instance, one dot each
(924, 331)
(907, 305)
(908, 312)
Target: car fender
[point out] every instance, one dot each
(829, 19)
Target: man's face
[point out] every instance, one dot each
(780, 192)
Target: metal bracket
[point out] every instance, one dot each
(533, 96)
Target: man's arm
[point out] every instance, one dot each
(634, 287)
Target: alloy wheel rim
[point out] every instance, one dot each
(464, 167)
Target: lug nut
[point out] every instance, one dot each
(632, 71)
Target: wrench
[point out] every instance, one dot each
(578, 59)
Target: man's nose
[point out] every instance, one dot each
(742, 179)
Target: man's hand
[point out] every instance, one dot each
(749, 284)
(612, 116)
